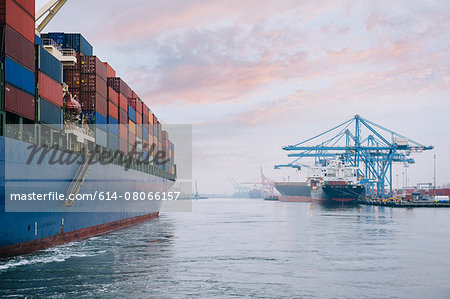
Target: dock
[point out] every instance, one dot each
(403, 204)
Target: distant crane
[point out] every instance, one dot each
(239, 189)
(196, 195)
(267, 184)
(372, 153)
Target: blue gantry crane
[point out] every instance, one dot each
(363, 144)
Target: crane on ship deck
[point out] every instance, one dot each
(367, 147)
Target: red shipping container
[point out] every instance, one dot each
(120, 86)
(93, 65)
(138, 106)
(123, 116)
(132, 102)
(18, 18)
(92, 82)
(113, 96)
(93, 101)
(50, 89)
(19, 102)
(123, 102)
(123, 131)
(113, 110)
(123, 145)
(155, 120)
(145, 111)
(139, 118)
(139, 131)
(131, 138)
(28, 5)
(144, 120)
(101, 105)
(72, 78)
(110, 72)
(18, 47)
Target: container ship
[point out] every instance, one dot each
(335, 183)
(56, 94)
(294, 191)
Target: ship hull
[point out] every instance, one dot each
(294, 191)
(29, 226)
(75, 235)
(337, 194)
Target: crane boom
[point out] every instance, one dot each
(52, 7)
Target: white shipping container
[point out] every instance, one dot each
(441, 198)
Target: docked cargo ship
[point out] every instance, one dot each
(56, 94)
(335, 183)
(294, 191)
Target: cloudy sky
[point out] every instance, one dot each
(252, 76)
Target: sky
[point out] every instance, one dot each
(253, 76)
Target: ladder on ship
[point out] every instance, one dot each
(77, 181)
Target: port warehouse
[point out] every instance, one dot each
(32, 92)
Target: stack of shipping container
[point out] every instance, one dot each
(33, 91)
(123, 121)
(18, 58)
(118, 94)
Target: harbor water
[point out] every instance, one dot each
(249, 248)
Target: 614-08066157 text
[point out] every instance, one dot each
(102, 196)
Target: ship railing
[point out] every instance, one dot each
(68, 52)
(67, 56)
(51, 43)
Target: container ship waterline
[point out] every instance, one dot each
(57, 96)
(294, 191)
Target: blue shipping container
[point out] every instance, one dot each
(155, 130)
(113, 142)
(89, 115)
(101, 137)
(50, 114)
(19, 76)
(48, 64)
(77, 42)
(100, 121)
(145, 133)
(37, 40)
(131, 114)
(74, 41)
(113, 126)
(145, 155)
(58, 37)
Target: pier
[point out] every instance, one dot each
(403, 204)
